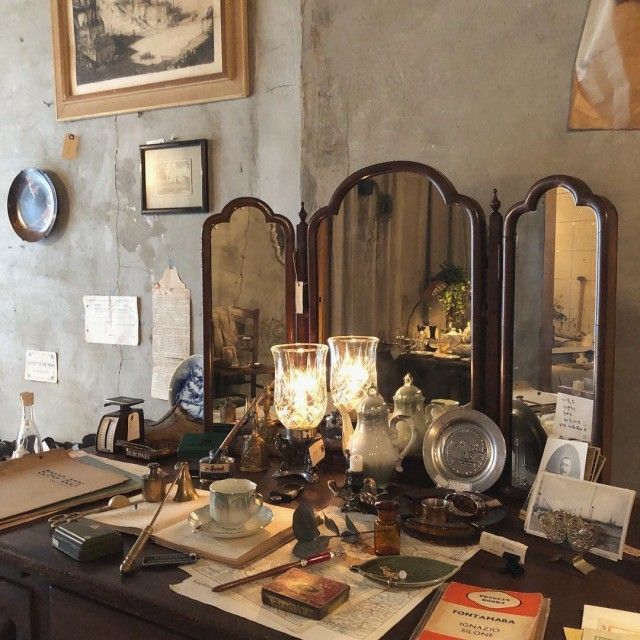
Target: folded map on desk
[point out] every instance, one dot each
(39, 480)
(172, 530)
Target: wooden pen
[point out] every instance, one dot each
(275, 571)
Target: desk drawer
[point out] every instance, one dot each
(15, 611)
(73, 616)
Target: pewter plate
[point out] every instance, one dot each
(464, 449)
(32, 205)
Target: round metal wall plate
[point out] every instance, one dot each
(32, 205)
(464, 449)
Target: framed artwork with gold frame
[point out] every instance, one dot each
(115, 57)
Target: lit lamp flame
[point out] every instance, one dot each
(300, 387)
(353, 369)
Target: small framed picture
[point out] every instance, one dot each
(175, 177)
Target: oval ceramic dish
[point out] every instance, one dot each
(464, 450)
(32, 205)
(410, 572)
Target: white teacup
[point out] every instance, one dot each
(233, 501)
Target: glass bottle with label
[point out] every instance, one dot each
(28, 440)
(386, 529)
(214, 469)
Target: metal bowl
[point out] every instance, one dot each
(32, 205)
(464, 450)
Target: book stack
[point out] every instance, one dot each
(463, 611)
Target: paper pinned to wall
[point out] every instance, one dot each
(41, 366)
(574, 417)
(606, 79)
(111, 320)
(171, 330)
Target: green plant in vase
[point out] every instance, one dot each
(454, 294)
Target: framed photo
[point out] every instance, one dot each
(174, 177)
(607, 508)
(114, 57)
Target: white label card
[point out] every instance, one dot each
(41, 366)
(574, 417)
(316, 452)
(111, 320)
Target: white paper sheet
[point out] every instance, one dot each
(371, 610)
(171, 330)
(41, 366)
(574, 417)
(111, 320)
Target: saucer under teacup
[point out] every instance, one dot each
(201, 520)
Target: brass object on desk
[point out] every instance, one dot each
(185, 491)
(154, 484)
(129, 562)
(255, 455)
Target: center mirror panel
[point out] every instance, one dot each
(396, 262)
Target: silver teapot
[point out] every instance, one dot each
(376, 438)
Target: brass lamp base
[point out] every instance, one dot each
(297, 460)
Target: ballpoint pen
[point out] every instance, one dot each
(275, 571)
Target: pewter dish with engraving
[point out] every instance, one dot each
(464, 449)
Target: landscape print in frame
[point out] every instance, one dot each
(116, 56)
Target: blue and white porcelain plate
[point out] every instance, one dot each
(187, 386)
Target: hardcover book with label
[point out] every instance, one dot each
(464, 611)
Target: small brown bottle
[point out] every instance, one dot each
(386, 529)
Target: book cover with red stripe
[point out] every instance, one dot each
(466, 611)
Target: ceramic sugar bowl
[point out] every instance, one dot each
(409, 401)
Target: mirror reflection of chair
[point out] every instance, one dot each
(240, 365)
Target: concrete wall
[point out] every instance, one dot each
(480, 90)
(102, 244)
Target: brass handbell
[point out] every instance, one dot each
(184, 485)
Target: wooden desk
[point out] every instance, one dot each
(50, 596)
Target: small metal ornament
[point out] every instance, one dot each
(255, 456)
(185, 491)
(154, 484)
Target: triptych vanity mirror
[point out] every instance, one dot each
(399, 254)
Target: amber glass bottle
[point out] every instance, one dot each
(386, 529)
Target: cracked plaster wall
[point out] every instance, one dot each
(102, 245)
(480, 90)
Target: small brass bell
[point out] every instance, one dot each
(184, 485)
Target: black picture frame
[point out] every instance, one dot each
(203, 206)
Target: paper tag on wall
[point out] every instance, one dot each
(70, 146)
(299, 297)
(41, 366)
(574, 417)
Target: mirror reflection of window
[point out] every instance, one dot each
(555, 296)
(398, 267)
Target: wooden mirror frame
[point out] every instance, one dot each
(478, 254)
(605, 300)
(207, 284)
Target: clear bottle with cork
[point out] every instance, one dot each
(28, 440)
(386, 529)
